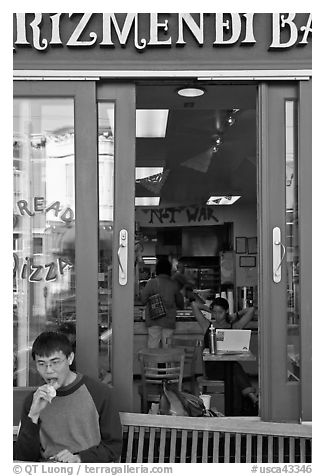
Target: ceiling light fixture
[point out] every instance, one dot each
(217, 141)
(223, 199)
(144, 172)
(151, 123)
(191, 92)
(147, 201)
(231, 118)
(149, 259)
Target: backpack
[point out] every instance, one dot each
(175, 402)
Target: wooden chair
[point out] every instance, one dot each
(158, 365)
(192, 351)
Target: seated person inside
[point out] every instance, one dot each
(245, 400)
(72, 417)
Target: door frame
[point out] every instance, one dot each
(85, 95)
(268, 331)
(123, 96)
(86, 211)
(86, 169)
(305, 229)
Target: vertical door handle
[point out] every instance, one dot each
(122, 256)
(279, 252)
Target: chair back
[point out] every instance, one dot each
(158, 365)
(191, 347)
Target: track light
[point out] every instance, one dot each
(231, 118)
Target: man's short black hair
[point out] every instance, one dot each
(163, 266)
(49, 342)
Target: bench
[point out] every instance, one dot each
(170, 439)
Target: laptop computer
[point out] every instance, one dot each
(233, 341)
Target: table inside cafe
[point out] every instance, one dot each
(228, 359)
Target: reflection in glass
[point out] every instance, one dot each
(292, 245)
(43, 226)
(105, 233)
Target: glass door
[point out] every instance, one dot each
(284, 323)
(72, 267)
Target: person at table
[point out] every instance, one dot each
(245, 399)
(160, 330)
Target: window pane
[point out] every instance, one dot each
(292, 245)
(105, 233)
(43, 226)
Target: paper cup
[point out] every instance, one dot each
(206, 401)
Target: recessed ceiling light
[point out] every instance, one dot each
(147, 201)
(223, 199)
(191, 92)
(151, 122)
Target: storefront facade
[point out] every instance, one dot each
(77, 85)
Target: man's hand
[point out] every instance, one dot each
(66, 457)
(40, 400)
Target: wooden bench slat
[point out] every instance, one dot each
(259, 448)
(248, 448)
(140, 445)
(227, 448)
(194, 446)
(151, 444)
(162, 445)
(270, 449)
(280, 449)
(184, 446)
(172, 446)
(216, 439)
(238, 448)
(291, 450)
(205, 447)
(302, 450)
(130, 444)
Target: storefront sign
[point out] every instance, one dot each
(36, 273)
(177, 216)
(42, 31)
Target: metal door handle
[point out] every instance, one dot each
(122, 256)
(279, 251)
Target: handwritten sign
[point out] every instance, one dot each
(178, 216)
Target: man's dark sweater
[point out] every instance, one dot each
(81, 418)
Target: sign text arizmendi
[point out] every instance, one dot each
(229, 29)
